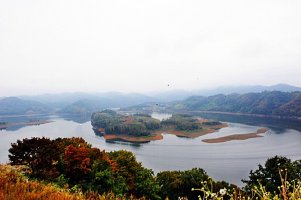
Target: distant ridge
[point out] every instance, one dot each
(14, 105)
(267, 103)
(175, 95)
(248, 89)
(278, 103)
(83, 103)
(72, 103)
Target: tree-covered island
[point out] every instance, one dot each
(144, 128)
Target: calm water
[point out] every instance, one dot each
(230, 161)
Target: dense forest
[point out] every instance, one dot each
(84, 172)
(283, 104)
(182, 122)
(266, 103)
(134, 125)
(110, 122)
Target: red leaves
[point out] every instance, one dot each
(77, 160)
(112, 163)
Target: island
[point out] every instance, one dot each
(237, 136)
(143, 128)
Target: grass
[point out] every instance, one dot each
(14, 185)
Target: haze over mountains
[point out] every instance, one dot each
(182, 94)
(15, 106)
(80, 103)
(277, 103)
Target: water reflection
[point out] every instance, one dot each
(276, 124)
(76, 118)
(136, 145)
(161, 116)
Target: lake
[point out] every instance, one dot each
(230, 161)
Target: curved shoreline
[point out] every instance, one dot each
(31, 123)
(296, 118)
(237, 136)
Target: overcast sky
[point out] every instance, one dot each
(141, 46)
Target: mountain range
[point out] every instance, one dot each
(16, 106)
(277, 103)
(73, 103)
(175, 95)
(214, 99)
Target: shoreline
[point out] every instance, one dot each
(32, 123)
(296, 118)
(24, 115)
(158, 135)
(237, 136)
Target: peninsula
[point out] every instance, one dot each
(5, 125)
(143, 128)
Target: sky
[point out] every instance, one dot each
(142, 46)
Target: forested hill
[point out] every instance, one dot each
(267, 103)
(14, 105)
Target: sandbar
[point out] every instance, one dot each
(237, 136)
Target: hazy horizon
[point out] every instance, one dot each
(203, 92)
(146, 46)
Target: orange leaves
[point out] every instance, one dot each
(112, 163)
(77, 161)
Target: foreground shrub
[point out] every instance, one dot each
(273, 173)
(179, 184)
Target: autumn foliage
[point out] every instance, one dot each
(72, 163)
(75, 166)
(15, 186)
(70, 168)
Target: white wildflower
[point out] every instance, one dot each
(223, 191)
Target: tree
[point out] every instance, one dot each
(127, 166)
(269, 174)
(170, 184)
(176, 184)
(48, 159)
(78, 162)
(131, 177)
(146, 185)
(102, 175)
(193, 179)
(41, 155)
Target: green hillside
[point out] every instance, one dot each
(266, 103)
